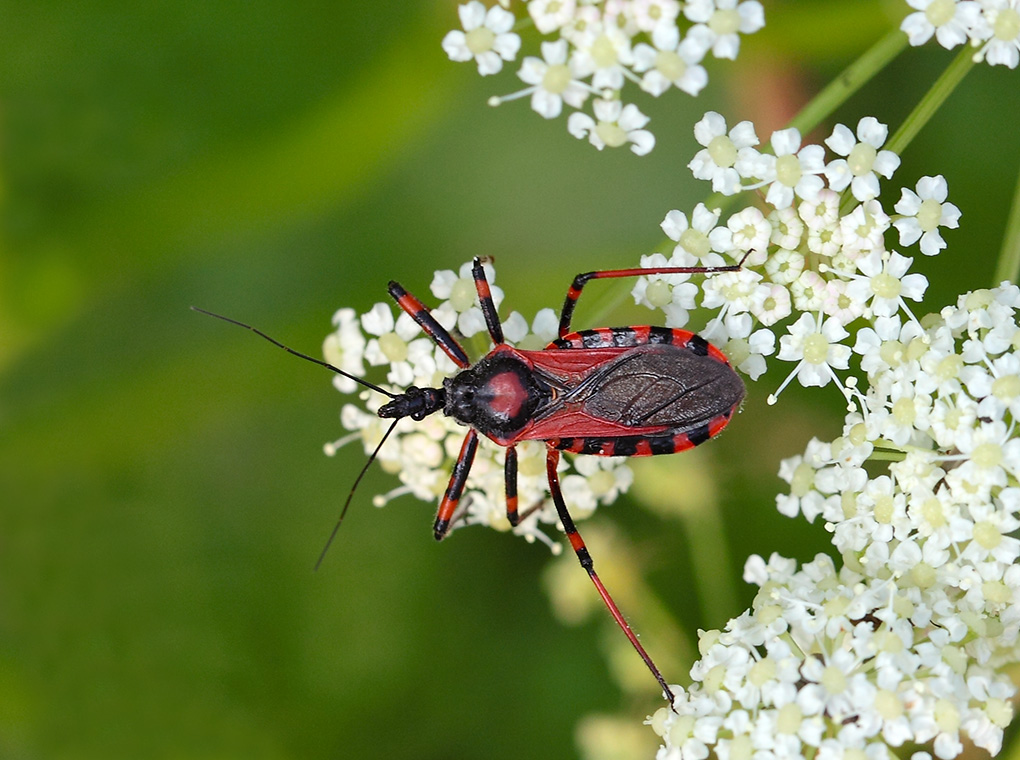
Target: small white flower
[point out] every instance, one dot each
(701, 237)
(863, 159)
(787, 228)
(670, 63)
(345, 348)
(614, 125)
(793, 170)
(751, 233)
(650, 15)
(673, 293)
(746, 350)
(949, 20)
(808, 291)
(603, 52)
(716, 162)
(863, 230)
(771, 303)
(817, 349)
(1001, 32)
(885, 283)
(553, 79)
(460, 299)
(550, 15)
(785, 266)
(717, 23)
(840, 304)
(486, 37)
(924, 212)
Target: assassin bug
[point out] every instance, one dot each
(609, 391)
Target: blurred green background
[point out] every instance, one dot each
(163, 492)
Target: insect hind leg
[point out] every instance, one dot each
(574, 292)
(584, 557)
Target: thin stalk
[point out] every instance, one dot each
(932, 100)
(1008, 267)
(858, 73)
(822, 105)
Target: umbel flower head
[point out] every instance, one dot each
(906, 639)
(818, 263)
(992, 26)
(593, 48)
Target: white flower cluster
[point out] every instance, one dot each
(992, 26)
(814, 261)
(594, 47)
(909, 641)
(422, 453)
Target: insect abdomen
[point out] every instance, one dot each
(673, 391)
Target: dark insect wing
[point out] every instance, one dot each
(661, 386)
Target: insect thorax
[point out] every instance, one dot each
(498, 396)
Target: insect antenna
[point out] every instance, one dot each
(290, 350)
(343, 512)
(341, 372)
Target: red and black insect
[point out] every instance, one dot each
(610, 391)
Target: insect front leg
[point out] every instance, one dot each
(581, 280)
(416, 310)
(455, 489)
(577, 543)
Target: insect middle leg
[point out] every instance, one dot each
(577, 543)
(510, 483)
(581, 280)
(455, 489)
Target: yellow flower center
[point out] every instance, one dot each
(816, 349)
(723, 151)
(394, 347)
(556, 78)
(670, 64)
(885, 286)
(1006, 388)
(940, 12)
(788, 171)
(861, 159)
(929, 215)
(904, 412)
(611, 134)
(987, 455)
(725, 21)
(987, 535)
(462, 294)
(1007, 25)
(603, 52)
(479, 40)
(659, 293)
(695, 243)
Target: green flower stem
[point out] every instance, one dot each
(1009, 257)
(855, 76)
(655, 487)
(710, 559)
(932, 100)
(822, 105)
